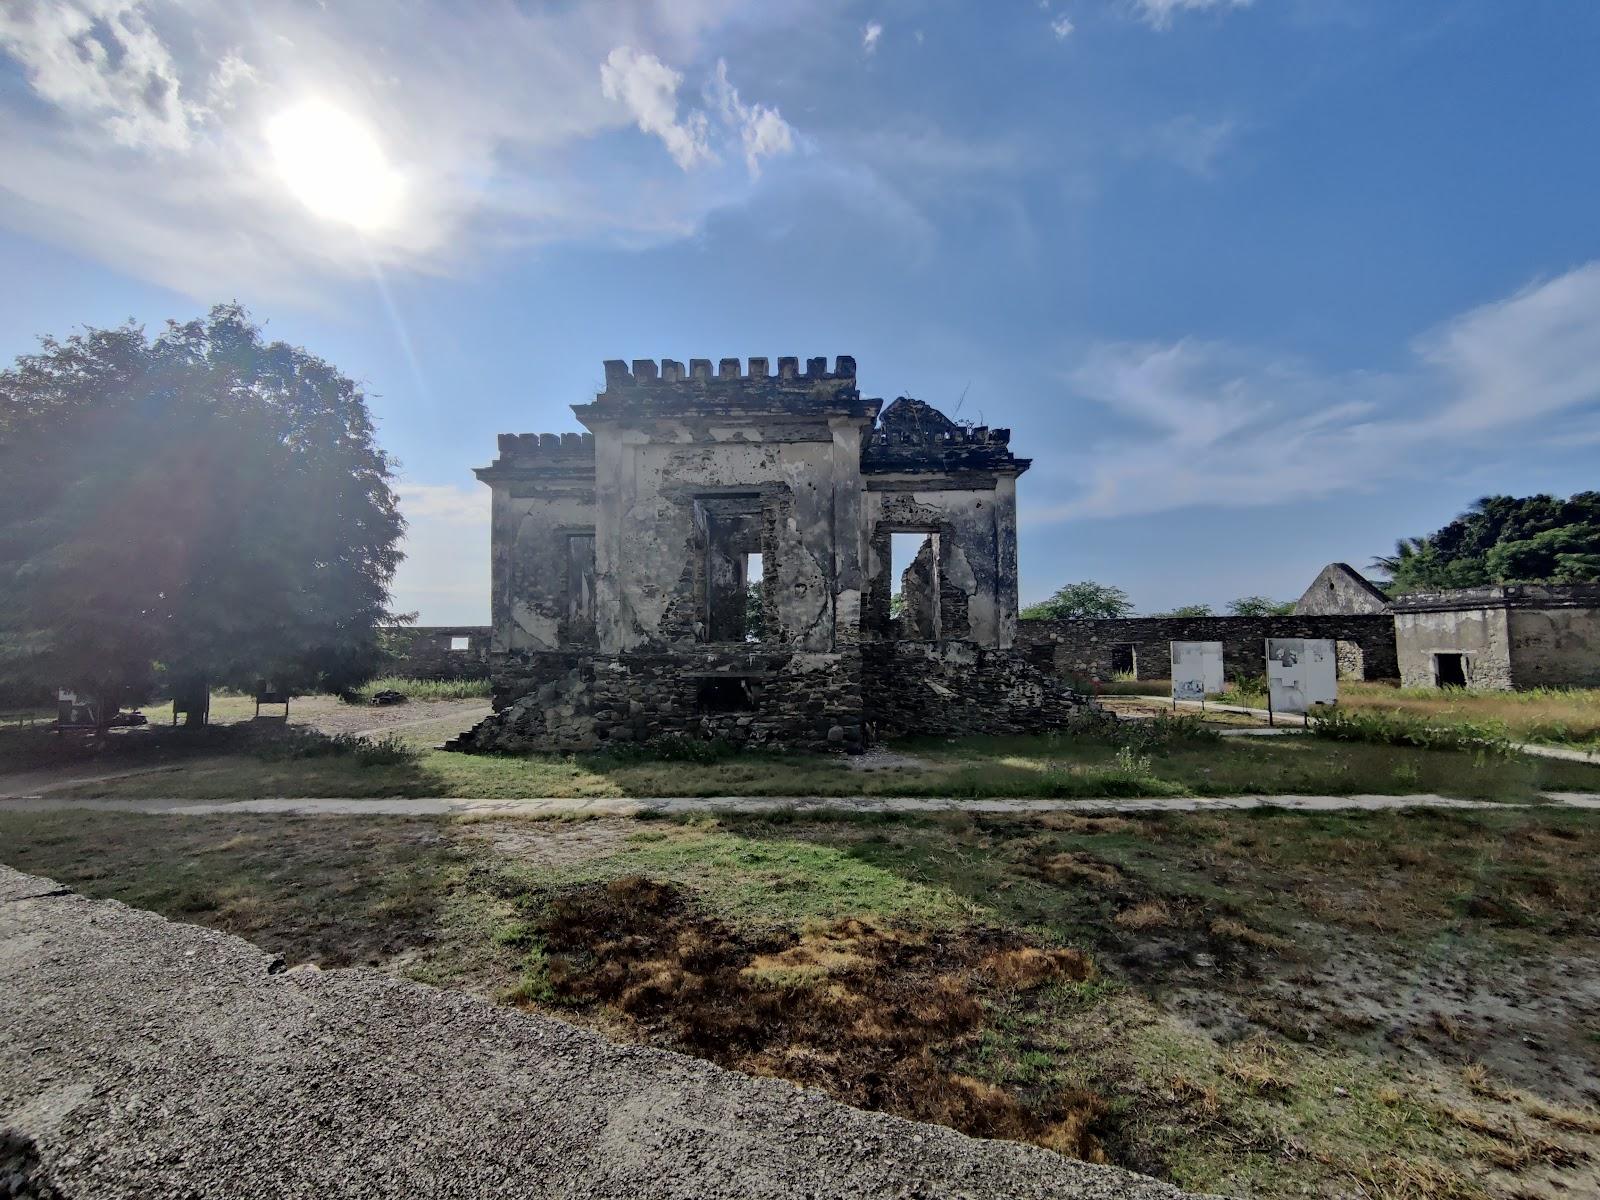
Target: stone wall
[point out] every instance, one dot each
(1088, 649)
(756, 697)
(425, 652)
(960, 688)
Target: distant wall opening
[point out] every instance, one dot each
(459, 644)
(725, 695)
(1125, 660)
(579, 560)
(914, 570)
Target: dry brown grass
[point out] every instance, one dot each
(1028, 967)
(1564, 714)
(1151, 914)
(1260, 1067)
(1073, 866)
(1415, 1177)
(1238, 931)
(871, 1014)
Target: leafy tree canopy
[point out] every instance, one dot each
(1081, 600)
(1259, 606)
(1503, 539)
(205, 504)
(1187, 610)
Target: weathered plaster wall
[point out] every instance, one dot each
(1085, 650)
(1480, 634)
(1555, 647)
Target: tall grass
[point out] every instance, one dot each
(426, 689)
(1564, 716)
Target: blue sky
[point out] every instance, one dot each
(1257, 285)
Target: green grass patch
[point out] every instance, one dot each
(427, 689)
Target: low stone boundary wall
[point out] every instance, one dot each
(433, 651)
(1102, 649)
(959, 688)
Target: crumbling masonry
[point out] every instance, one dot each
(626, 599)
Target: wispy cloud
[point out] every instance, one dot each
(870, 36)
(762, 130)
(1189, 142)
(1159, 14)
(484, 112)
(1221, 425)
(1062, 27)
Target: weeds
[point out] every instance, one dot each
(1402, 729)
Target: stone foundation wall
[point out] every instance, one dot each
(577, 701)
(960, 688)
(1086, 650)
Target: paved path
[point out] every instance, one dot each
(436, 806)
(140, 1057)
(1566, 754)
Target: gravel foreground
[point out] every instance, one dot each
(144, 1058)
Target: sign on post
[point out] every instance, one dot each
(1196, 670)
(1301, 674)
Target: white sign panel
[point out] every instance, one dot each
(1196, 669)
(1301, 673)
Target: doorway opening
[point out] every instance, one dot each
(1124, 661)
(1450, 670)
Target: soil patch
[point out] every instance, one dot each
(874, 1015)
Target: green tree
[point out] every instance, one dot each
(204, 504)
(1085, 599)
(1503, 539)
(1259, 606)
(1187, 610)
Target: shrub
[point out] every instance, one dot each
(296, 742)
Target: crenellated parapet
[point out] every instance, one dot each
(751, 389)
(528, 455)
(646, 372)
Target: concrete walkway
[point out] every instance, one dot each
(140, 1057)
(1289, 721)
(623, 806)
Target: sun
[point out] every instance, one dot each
(332, 164)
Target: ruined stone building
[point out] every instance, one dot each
(715, 558)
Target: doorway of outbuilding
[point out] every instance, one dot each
(1450, 670)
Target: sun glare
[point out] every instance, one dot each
(332, 164)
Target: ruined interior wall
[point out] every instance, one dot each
(960, 688)
(1481, 634)
(650, 574)
(1555, 647)
(970, 576)
(530, 524)
(1086, 650)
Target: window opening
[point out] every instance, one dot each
(914, 570)
(1450, 670)
(459, 644)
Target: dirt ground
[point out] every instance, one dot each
(1392, 1006)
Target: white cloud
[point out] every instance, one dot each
(1062, 27)
(1159, 14)
(648, 88)
(445, 575)
(101, 60)
(140, 139)
(870, 36)
(762, 131)
(1220, 425)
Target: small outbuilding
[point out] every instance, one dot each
(1513, 636)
